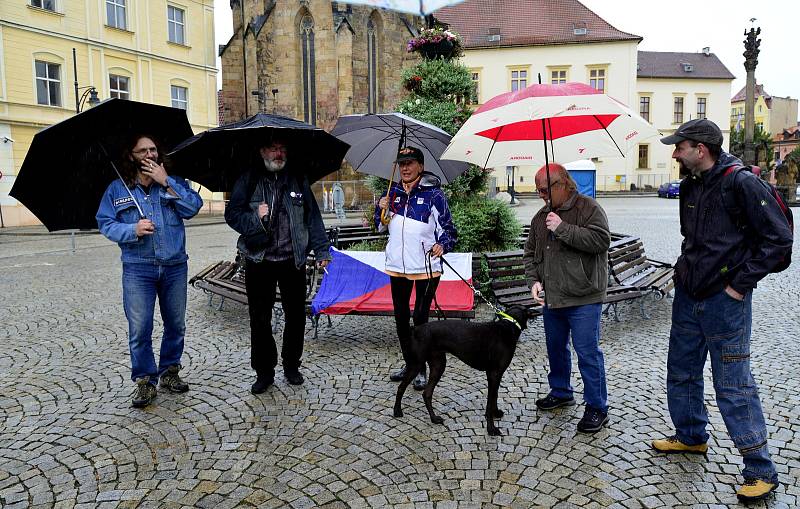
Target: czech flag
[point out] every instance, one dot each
(356, 282)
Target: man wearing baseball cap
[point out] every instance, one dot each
(722, 258)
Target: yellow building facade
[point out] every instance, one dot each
(154, 51)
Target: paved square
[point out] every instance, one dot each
(69, 438)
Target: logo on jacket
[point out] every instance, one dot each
(123, 201)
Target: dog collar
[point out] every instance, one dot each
(505, 316)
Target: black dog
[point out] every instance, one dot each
(487, 346)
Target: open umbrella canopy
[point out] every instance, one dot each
(69, 165)
(217, 157)
(375, 139)
(421, 7)
(577, 121)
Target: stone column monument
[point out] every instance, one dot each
(751, 51)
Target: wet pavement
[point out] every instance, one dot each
(69, 438)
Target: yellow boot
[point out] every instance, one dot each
(755, 489)
(673, 445)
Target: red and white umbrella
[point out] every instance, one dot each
(577, 122)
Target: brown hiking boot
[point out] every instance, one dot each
(755, 489)
(171, 381)
(673, 445)
(144, 394)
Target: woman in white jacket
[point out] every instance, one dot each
(419, 223)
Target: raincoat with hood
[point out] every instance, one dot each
(419, 220)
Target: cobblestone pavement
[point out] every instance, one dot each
(69, 438)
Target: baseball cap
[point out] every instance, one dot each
(700, 129)
(410, 154)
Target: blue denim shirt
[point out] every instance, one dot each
(117, 218)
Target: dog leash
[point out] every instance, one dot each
(497, 311)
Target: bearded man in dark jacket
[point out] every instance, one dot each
(273, 209)
(722, 258)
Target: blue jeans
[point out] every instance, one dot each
(141, 283)
(719, 325)
(584, 324)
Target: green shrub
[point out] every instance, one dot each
(441, 80)
(484, 225)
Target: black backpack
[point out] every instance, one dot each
(733, 208)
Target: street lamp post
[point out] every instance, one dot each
(88, 92)
(510, 187)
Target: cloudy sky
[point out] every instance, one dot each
(688, 25)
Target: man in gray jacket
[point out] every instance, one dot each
(273, 209)
(566, 264)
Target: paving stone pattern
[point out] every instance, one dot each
(69, 438)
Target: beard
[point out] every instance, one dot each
(273, 165)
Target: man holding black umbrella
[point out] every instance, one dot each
(144, 215)
(274, 210)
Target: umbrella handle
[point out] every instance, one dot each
(385, 219)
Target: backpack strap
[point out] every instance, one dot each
(730, 194)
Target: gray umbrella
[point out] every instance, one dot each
(375, 139)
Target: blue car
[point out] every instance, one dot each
(670, 189)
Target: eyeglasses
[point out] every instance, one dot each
(145, 150)
(543, 190)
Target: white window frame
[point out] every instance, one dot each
(518, 80)
(43, 3)
(119, 92)
(177, 102)
(649, 106)
(646, 147)
(119, 6)
(178, 25)
(475, 75)
(49, 82)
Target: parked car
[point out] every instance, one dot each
(670, 189)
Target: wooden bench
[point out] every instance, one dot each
(342, 237)
(631, 276)
(227, 280)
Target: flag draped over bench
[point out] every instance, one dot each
(356, 282)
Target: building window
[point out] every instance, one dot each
(309, 73)
(701, 107)
(48, 83)
(644, 107)
(597, 79)
(49, 5)
(475, 95)
(644, 156)
(179, 97)
(176, 25)
(677, 111)
(759, 126)
(119, 86)
(372, 68)
(558, 76)
(519, 79)
(115, 14)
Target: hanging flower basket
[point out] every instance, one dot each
(436, 43)
(413, 83)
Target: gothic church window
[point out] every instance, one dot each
(309, 75)
(372, 68)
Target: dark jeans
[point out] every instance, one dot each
(582, 324)
(718, 325)
(260, 281)
(401, 293)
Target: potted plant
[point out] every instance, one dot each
(436, 42)
(413, 83)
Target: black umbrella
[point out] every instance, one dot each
(215, 158)
(376, 138)
(69, 165)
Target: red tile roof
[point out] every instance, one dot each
(665, 64)
(757, 91)
(528, 23)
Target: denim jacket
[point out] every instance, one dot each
(305, 221)
(117, 218)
